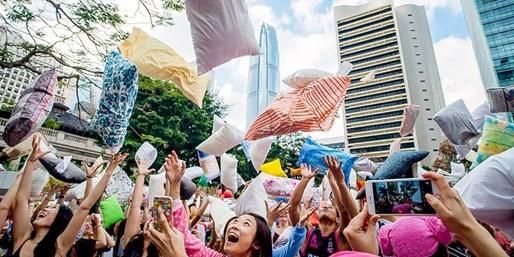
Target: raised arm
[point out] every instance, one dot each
(101, 239)
(296, 197)
(349, 204)
(200, 213)
(132, 226)
(91, 172)
(22, 226)
(175, 169)
(66, 239)
(7, 202)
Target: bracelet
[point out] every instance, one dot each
(90, 176)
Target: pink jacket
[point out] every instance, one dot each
(194, 246)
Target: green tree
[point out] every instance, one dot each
(169, 121)
(51, 124)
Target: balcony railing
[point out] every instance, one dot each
(81, 148)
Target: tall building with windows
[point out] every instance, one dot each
(264, 76)
(491, 28)
(394, 42)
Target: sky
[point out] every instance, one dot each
(307, 39)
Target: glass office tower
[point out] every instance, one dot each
(264, 76)
(491, 27)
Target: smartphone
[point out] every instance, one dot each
(400, 196)
(166, 204)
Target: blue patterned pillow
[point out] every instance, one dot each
(118, 98)
(312, 153)
(399, 164)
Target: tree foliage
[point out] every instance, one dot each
(75, 34)
(169, 121)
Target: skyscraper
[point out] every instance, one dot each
(394, 42)
(491, 27)
(264, 76)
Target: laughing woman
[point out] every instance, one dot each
(247, 235)
(53, 231)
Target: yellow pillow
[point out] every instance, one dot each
(157, 60)
(273, 168)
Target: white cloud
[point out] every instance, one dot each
(459, 72)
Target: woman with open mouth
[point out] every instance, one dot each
(246, 235)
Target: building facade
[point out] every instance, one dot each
(264, 76)
(333, 142)
(395, 42)
(491, 28)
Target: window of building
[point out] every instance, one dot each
(427, 109)
(431, 129)
(411, 22)
(376, 106)
(418, 54)
(426, 100)
(375, 127)
(409, 14)
(419, 63)
(422, 81)
(433, 139)
(423, 90)
(414, 38)
(435, 150)
(375, 96)
(429, 119)
(421, 72)
(373, 138)
(412, 30)
(375, 116)
(416, 46)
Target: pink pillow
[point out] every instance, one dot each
(221, 31)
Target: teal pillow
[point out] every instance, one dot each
(112, 212)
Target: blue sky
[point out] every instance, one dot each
(306, 37)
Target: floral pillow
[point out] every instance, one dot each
(497, 137)
(118, 98)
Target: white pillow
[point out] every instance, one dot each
(259, 150)
(479, 115)
(220, 213)
(210, 167)
(252, 200)
(364, 164)
(221, 141)
(146, 154)
(302, 78)
(217, 124)
(240, 181)
(221, 31)
(229, 172)
(78, 191)
(345, 68)
(193, 172)
(156, 186)
(488, 191)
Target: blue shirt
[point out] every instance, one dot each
(293, 245)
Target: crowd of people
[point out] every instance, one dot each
(339, 226)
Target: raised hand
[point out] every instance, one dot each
(175, 168)
(142, 170)
(91, 171)
(169, 242)
(307, 172)
(334, 168)
(273, 213)
(306, 213)
(36, 149)
(116, 160)
(361, 232)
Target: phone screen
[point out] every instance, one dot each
(402, 197)
(166, 204)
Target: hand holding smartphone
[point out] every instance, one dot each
(166, 205)
(400, 196)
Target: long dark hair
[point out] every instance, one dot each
(47, 246)
(136, 246)
(262, 236)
